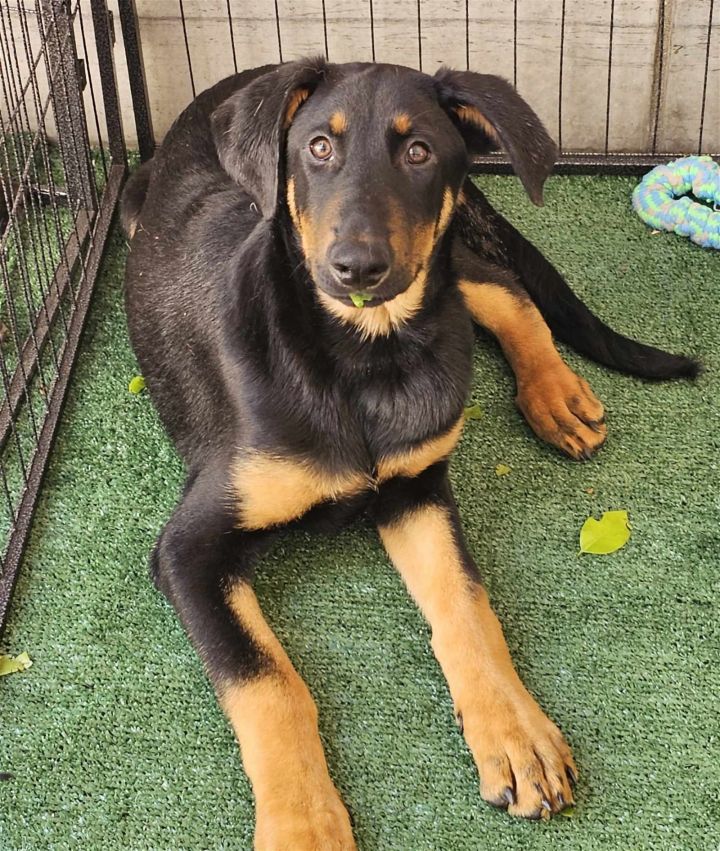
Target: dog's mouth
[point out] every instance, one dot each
(364, 297)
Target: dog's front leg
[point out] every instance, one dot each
(203, 563)
(521, 756)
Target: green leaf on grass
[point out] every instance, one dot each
(473, 412)
(502, 470)
(606, 535)
(10, 665)
(359, 299)
(137, 385)
(568, 812)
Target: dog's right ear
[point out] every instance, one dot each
(249, 128)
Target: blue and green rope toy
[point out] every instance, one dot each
(656, 199)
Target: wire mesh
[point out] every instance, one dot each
(57, 194)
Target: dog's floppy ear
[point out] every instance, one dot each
(249, 127)
(490, 113)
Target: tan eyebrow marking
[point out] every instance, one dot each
(338, 123)
(402, 123)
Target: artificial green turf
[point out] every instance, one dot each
(113, 736)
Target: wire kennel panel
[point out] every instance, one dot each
(621, 84)
(57, 197)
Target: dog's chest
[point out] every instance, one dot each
(385, 424)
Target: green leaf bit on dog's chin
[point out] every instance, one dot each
(359, 299)
(136, 385)
(20, 663)
(604, 536)
(473, 412)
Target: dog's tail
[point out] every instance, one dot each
(133, 197)
(568, 318)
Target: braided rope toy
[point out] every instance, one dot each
(656, 199)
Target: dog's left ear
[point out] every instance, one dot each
(489, 112)
(249, 128)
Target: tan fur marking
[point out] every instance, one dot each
(338, 123)
(465, 632)
(502, 723)
(445, 213)
(559, 405)
(381, 320)
(292, 205)
(471, 115)
(518, 324)
(402, 124)
(275, 722)
(419, 458)
(273, 490)
(315, 236)
(297, 99)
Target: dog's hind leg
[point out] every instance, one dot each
(203, 563)
(558, 404)
(522, 758)
(492, 237)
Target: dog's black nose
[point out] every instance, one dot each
(359, 262)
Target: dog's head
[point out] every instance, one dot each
(369, 161)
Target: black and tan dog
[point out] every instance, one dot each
(277, 195)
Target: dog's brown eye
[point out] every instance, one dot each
(321, 148)
(418, 153)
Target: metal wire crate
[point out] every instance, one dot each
(57, 197)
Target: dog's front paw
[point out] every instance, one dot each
(523, 761)
(562, 410)
(320, 823)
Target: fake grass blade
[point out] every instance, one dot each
(359, 299)
(606, 535)
(10, 665)
(136, 385)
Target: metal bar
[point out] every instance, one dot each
(91, 84)
(705, 78)
(34, 345)
(187, 48)
(569, 163)
(277, 27)
(658, 76)
(560, 74)
(56, 27)
(232, 35)
(325, 33)
(108, 81)
(419, 35)
(136, 73)
(26, 509)
(609, 76)
(467, 35)
(515, 42)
